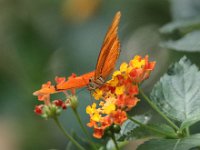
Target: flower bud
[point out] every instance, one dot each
(73, 102)
(58, 102)
(39, 109)
(116, 128)
(51, 111)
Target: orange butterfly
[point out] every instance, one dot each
(108, 56)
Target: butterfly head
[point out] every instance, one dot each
(95, 83)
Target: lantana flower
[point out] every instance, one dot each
(51, 108)
(118, 95)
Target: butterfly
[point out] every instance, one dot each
(107, 58)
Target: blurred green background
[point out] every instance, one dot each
(43, 39)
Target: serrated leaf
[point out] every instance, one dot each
(161, 130)
(138, 132)
(177, 93)
(183, 26)
(190, 42)
(128, 127)
(172, 144)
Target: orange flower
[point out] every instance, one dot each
(98, 133)
(50, 109)
(45, 91)
(60, 79)
(106, 122)
(100, 129)
(119, 116)
(92, 123)
(126, 102)
(47, 88)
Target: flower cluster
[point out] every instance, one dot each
(53, 108)
(118, 95)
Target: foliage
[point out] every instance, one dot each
(189, 42)
(172, 144)
(130, 130)
(177, 92)
(185, 27)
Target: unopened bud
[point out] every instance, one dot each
(39, 109)
(73, 102)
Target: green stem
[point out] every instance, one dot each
(151, 128)
(114, 141)
(187, 131)
(83, 128)
(67, 135)
(158, 110)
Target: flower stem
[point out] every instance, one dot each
(114, 141)
(158, 110)
(151, 128)
(67, 135)
(187, 131)
(83, 128)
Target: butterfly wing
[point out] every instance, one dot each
(106, 61)
(111, 59)
(110, 50)
(75, 82)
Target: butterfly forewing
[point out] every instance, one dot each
(110, 50)
(110, 62)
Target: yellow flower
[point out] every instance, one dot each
(130, 68)
(119, 90)
(137, 62)
(96, 117)
(97, 94)
(123, 67)
(107, 109)
(113, 82)
(116, 73)
(109, 106)
(109, 94)
(101, 103)
(91, 109)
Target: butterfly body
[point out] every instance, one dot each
(93, 84)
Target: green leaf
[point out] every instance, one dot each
(165, 130)
(136, 133)
(190, 42)
(177, 93)
(183, 26)
(128, 127)
(183, 9)
(190, 121)
(172, 144)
